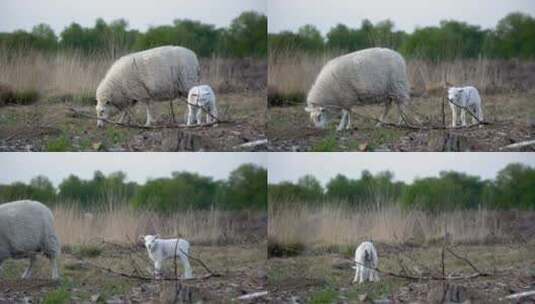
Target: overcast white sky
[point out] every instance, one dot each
(405, 166)
(24, 14)
(406, 14)
(137, 165)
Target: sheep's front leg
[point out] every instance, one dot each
(149, 116)
(28, 272)
(463, 117)
(480, 115)
(343, 121)
(357, 274)
(55, 270)
(210, 118)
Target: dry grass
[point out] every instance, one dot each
(74, 74)
(124, 225)
(336, 225)
(293, 73)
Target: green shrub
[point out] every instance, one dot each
(60, 144)
(59, 296)
(327, 144)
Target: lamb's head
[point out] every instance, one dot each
(150, 240)
(454, 94)
(318, 115)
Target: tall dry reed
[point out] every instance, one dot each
(124, 225)
(337, 225)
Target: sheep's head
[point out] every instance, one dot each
(318, 115)
(150, 240)
(454, 94)
(104, 110)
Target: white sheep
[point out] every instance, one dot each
(366, 262)
(463, 99)
(201, 99)
(159, 74)
(368, 76)
(160, 250)
(27, 228)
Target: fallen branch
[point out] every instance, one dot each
(253, 295)
(518, 295)
(138, 126)
(202, 264)
(519, 144)
(252, 144)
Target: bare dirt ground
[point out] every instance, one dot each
(511, 117)
(242, 269)
(51, 126)
(326, 278)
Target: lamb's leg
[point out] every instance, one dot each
(463, 117)
(28, 272)
(149, 116)
(348, 124)
(157, 268)
(480, 115)
(55, 270)
(200, 111)
(191, 115)
(187, 266)
(357, 274)
(453, 115)
(343, 121)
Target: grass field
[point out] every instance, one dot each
(311, 252)
(38, 90)
(504, 86)
(93, 242)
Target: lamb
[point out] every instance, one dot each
(464, 98)
(368, 76)
(160, 250)
(366, 262)
(26, 228)
(163, 73)
(201, 99)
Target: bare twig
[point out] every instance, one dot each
(202, 264)
(467, 261)
(519, 144)
(253, 295)
(518, 295)
(138, 126)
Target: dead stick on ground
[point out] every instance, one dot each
(137, 126)
(202, 264)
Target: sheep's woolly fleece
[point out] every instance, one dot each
(27, 227)
(157, 74)
(363, 77)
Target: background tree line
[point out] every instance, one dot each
(246, 188)
(513, 187)
(513, 37)
(246, 36)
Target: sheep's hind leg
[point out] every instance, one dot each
(28, 272)
(187, 266)
(343, 121)
(381, 121)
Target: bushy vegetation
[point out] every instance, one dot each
(513, 37)
(246, 36)
(513, 187)
(245, 188)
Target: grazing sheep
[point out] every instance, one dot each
(27, 228)
(368, 76)
(160, 250)
(366, 262)
(464, 98)
(163, 73)
(201, 99)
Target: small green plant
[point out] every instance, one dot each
(58, 296)
(325, 296)
(115, 135)
(328, 144)
(60, 144)
(87, 251)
